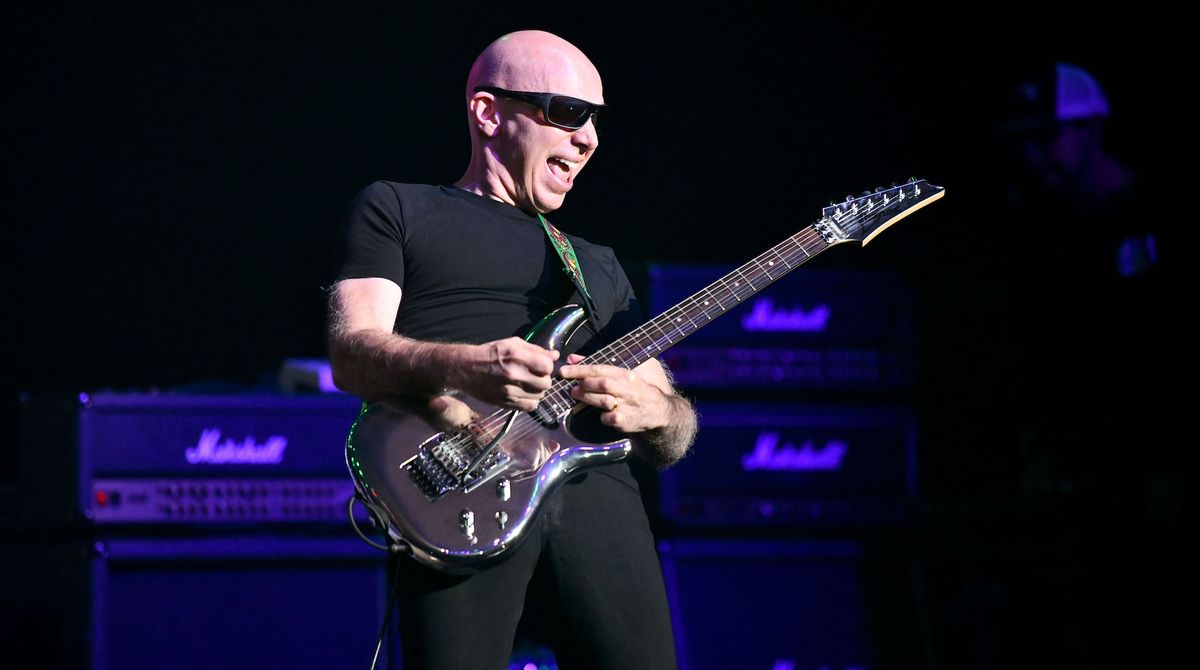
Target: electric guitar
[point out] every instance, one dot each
(459, 497)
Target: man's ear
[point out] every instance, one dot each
(485, 114)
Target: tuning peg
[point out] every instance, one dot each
(865, 193)
(879, 189)
(849, 198)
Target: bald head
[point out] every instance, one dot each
(518, 155)
(535, 60)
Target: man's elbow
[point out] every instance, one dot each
(342, 381)
(341, 363)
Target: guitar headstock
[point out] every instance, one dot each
(862, 218)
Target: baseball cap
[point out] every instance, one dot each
(1065, 92)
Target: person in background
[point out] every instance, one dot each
(1088, 269)
(1085, 330)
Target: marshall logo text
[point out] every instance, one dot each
(768, 454)
(212, 449)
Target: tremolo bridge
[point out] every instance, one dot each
(460, 461)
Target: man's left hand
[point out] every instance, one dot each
(629, 403)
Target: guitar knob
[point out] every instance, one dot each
(466, 521)
(502, 518)
(503, 490)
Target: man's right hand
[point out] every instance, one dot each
(371, 361)
(509, 373)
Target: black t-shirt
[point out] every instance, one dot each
(473, 269)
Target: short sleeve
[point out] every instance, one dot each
(371, 242)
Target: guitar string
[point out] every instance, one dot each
(561, 389)
(784, 251)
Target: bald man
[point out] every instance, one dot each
(438, 285)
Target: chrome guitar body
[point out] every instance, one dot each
(455, 515)
(460, 492)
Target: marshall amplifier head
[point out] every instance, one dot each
(132, 458)
(810, 330)
(793, 465)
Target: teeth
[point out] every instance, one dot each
(567, 165)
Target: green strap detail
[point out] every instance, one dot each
(570, 261)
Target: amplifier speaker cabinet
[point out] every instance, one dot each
(793, 605)
(184, 459)
(198, 603)
(811, 330)
(793, 465)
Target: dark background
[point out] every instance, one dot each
(173, 179)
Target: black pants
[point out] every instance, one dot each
(588, 571)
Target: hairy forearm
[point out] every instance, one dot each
(374, 364)
(667, 444)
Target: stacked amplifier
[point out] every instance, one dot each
(784, 513)
(168, 521)
(801, 392)
(134, 459)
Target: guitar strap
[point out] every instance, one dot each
(570, 264)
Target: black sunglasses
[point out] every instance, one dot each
(559, 110)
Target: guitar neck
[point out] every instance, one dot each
(667, 329)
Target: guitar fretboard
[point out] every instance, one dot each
(857, 219)
(669, 328)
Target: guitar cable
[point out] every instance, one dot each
(400, 547)
(374, 521)
(393, 549)
(387, 614)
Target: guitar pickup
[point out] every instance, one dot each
(548, 415)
